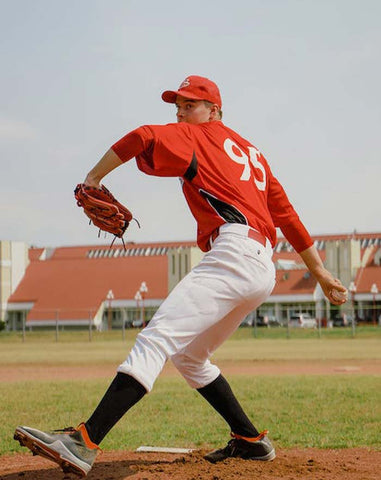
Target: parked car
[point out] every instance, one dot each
(342, 320)
(246, 322)
(272, 321)
(303, 320)
(251, 321)
(137, 323)
(260, 321)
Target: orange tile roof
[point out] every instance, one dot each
(35, 253)
(290, 282)
(366, 277)
(77, 286)
(82, 250)
(342, 236)
(293, 256)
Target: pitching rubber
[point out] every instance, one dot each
(145, 448)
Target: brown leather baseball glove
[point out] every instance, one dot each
(104, 211)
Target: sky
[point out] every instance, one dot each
(299, 78)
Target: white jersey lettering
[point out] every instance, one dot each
(240, 157)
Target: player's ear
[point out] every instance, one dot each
(214, 112)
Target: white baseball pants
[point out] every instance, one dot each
(204, 309)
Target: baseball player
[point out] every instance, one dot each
(237, 204)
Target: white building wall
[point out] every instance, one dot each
(19, 262)
(13, 263)
(181, 260)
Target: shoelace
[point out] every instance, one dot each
(70, 430)
(231, 446)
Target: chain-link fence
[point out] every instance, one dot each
(80, 320)
(291, 321)
(288, 322)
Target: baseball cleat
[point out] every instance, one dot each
(258, 448)
(71, 448)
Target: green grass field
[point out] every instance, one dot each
(325, 411)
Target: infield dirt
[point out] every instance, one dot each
(308, 464)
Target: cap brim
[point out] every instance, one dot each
(170, 96)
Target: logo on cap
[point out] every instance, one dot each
(185, 83)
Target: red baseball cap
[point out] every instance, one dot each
(195, 88)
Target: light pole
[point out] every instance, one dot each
(352, 289)
(109, 297)
(23, 325)
(143, 291)
(137, 297)
(374, 291)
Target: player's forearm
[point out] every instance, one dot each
(106, 164)
(331, 286)
(313, 261)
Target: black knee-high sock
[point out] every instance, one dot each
(121, 395)
(221, 398)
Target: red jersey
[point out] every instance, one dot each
(225, 179)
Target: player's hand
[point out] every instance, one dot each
(333, 289)
(92, 182)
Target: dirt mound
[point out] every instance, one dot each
(293, 464)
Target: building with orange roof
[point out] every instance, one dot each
(99, 286)
(71, 285)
